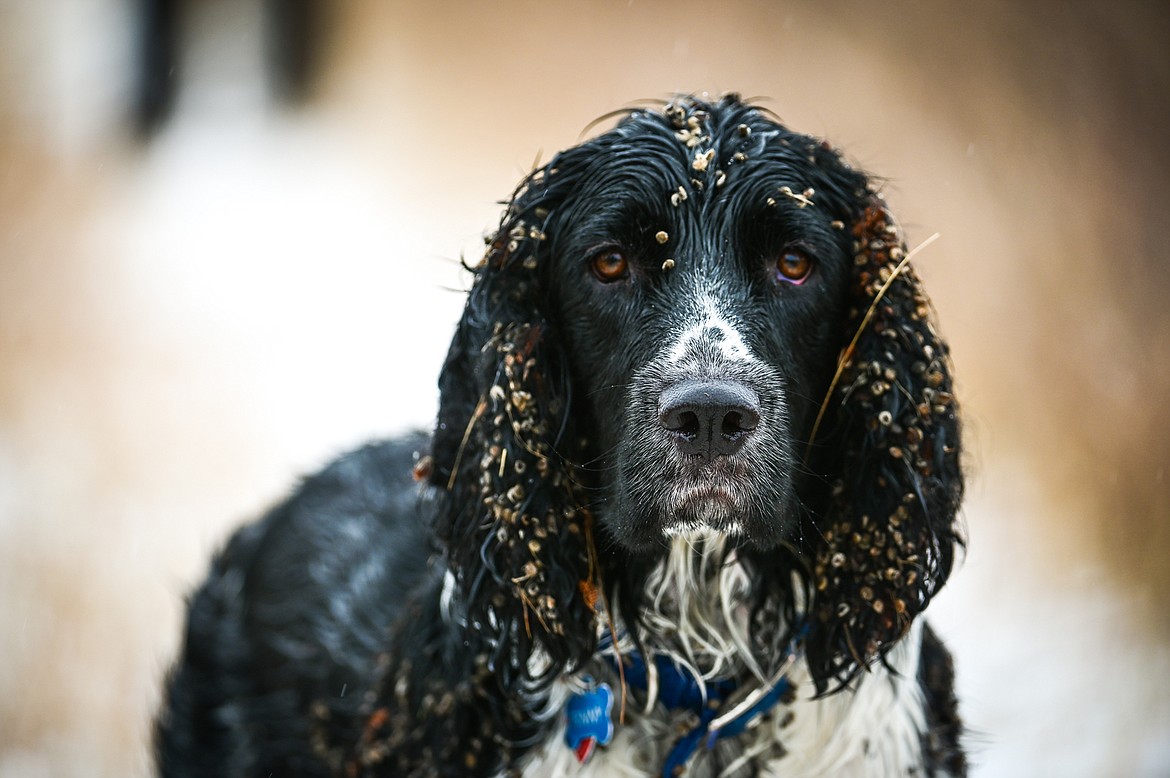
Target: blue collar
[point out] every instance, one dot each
(590, 721)
(679, 689)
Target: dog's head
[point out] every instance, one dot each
(699, 320)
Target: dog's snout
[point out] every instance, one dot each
(709, 418)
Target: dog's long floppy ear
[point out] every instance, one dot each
(889, 535)
(509, 517)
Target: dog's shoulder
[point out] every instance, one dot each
(365, 501)
(295, 606)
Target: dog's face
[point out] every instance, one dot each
(699, 322)
(700, 269)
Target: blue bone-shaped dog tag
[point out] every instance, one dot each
(590, 722)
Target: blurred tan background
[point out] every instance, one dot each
(193, 316)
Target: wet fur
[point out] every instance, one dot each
(372, 627)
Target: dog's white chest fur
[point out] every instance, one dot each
(871, 729)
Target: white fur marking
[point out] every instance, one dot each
(731, 343)
(869, 731)
(446, 595)
(872, 728)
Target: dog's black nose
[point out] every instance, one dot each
(709, 418)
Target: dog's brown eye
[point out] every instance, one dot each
(610, 265)
(794, 266)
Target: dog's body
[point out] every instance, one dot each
(694, 477)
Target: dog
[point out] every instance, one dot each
(694, 479)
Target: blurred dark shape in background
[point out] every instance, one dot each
(295, 31)
(158, 73)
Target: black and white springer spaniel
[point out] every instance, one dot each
(694, 479)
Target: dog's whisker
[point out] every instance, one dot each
(610, 387)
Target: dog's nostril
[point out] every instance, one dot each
(739, 421)
(684, 423)
(709, 418)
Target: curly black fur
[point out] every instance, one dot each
(366, 628)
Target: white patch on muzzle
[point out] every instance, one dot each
(713, 327)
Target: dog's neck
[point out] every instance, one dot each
(695, 608)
